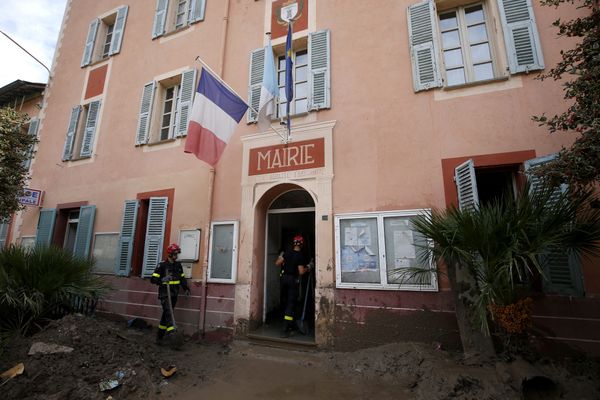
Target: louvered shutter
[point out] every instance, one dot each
(145, 113)
(32, 131)
(184, 106)
(466, 186)
(520, 35)
(160, 18)
(3, 234)
(422, 39)
(126, 238)
(90, 129)
(562, 270)
(85, 230)
(155, 232)
(45, 228)
(68, 148)
(257, 65)
(197, 8)
(117, 35)
(320, 69)
(88, 51)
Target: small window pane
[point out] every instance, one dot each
(474, 15)
(359, 246)
(453, 58)
(166, 120)
(404, 249)
(281, 63)
(450, 39)
(282, 78)
(168, 106)
(477, 33)
(222, 252)
(105, 252)
(301, 90)
(302, 73)
(480, 53)
(282, 110)
(282, 97)
(483, 71)
(448, 21)
(455, 76)
(301, 106)
(301, 58)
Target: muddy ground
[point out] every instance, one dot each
(106, 350)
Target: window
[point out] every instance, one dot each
(374, 250)
(464, 49)
(312, 90)
(172, 98)
(176, 14)
(109, 29)
(105, 252)
(32, 130)
(222, 259)
(81, 131)
(4, 226)
(70, 228)
(465, 45)
(28, 242)
(300, 102)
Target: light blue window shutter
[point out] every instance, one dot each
(89, 43)
(422, 39)
(319, 59)
(45, 228)
(32, 130)
(145, 113)
(155, 233)
(257, 64)
(197, 8)
(117, 36)
(520, 35)
(85, 230)
(3, 234)
(72, 129)
(90, 129)
(466, 186)
(126, 238)
(561, 269)
(184, 106)
(160, 18)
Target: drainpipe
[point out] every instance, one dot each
(224, 37)
(203, 299)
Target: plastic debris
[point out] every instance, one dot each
(167, 373)
(48, 348)
(120, 374)
(108, 385)
(14, 371)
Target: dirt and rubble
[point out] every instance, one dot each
(91, 358)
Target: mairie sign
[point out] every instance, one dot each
(31, 197)
(287, 157)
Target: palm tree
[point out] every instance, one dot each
(489, 249)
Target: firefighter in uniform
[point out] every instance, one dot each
(293, 264)
(169, 272)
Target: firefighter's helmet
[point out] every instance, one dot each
(298, 240)
(173, 249)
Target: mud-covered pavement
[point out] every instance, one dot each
(106, 351)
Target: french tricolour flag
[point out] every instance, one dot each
(215, 113)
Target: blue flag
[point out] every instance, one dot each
(289, 71)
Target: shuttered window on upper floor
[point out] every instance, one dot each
(458, 46)
(81, 131)
(172, 15)
(105, 36)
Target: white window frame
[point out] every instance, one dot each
(384, 285)
(107, 39)
(462, 26)
(173, 112)
(234, 252)
(279, 71)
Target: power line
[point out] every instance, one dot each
(31, 55)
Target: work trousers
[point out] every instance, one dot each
(289, 288)
(166, 320)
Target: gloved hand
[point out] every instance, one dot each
(166, 279)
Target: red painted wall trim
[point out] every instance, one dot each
(486, 160)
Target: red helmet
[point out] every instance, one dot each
(173, 249)
(298, 240)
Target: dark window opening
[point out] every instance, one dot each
(140, 238)
(496, 182)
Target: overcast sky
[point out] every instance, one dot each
(34, 24)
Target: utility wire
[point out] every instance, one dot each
(31, 55)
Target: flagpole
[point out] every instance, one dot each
(287, 75)
(213, 73)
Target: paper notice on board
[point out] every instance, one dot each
(351, 236)
(364, 236)
(401, 263)
(403, 244)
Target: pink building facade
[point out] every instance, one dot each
(399, 108)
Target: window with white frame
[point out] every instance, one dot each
(105, 36)
(312, 66)
(222, 258)
(382, 251)
(165, 108)
(459, 45)
(81, 131)
(171, 15)
(299, 103)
